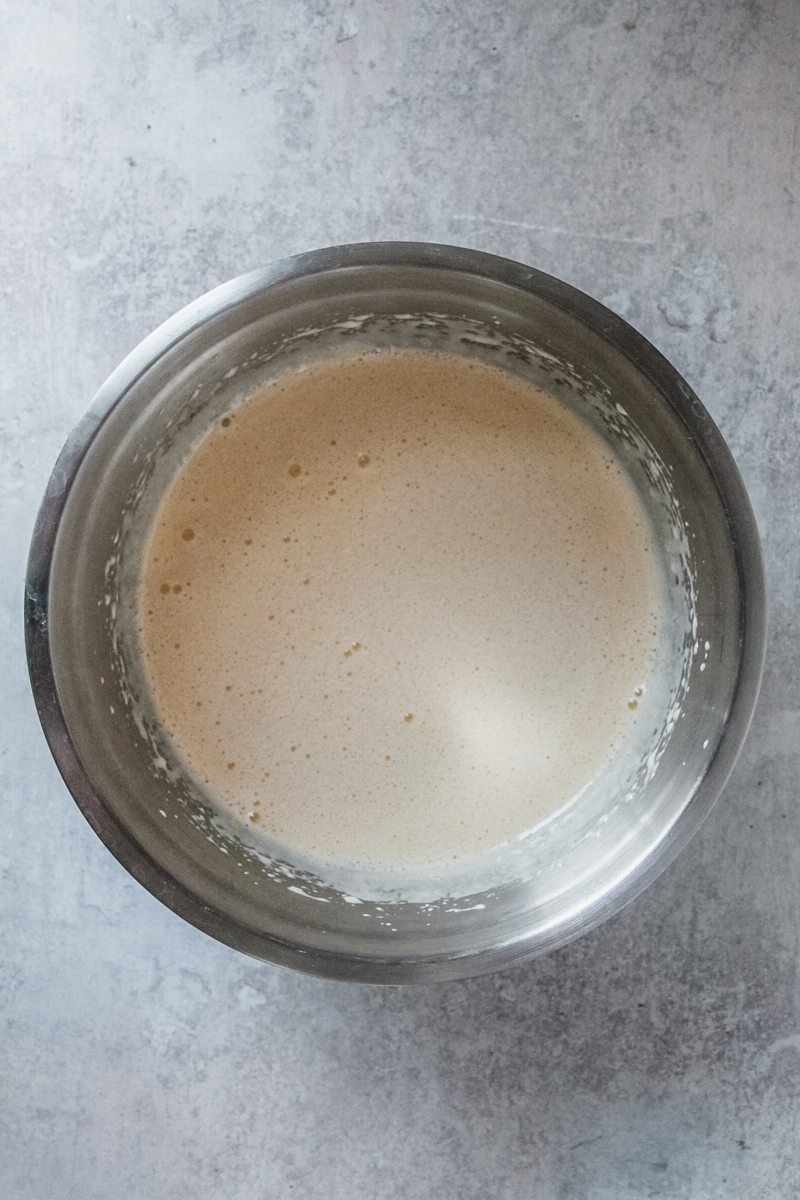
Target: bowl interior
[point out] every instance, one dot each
(578, 866)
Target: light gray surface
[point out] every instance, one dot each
(646, 153)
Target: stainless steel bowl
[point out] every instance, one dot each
(82, 571)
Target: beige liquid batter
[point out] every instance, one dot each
(397, 610)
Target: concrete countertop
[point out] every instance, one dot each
(649, 154)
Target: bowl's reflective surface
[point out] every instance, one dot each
(85, 676)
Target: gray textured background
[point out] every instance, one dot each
(646, 152)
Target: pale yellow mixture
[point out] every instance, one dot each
(398, 610)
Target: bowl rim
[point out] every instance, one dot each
(667, 382)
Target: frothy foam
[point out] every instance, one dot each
(396, 611)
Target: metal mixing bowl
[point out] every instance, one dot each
(82, 572)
